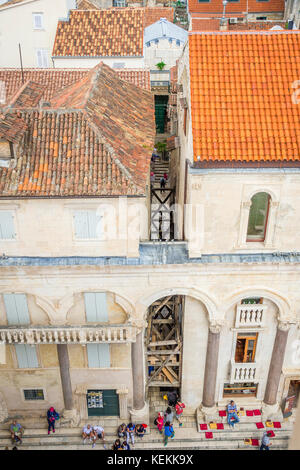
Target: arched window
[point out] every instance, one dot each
(258, 217)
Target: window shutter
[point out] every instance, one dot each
(37, 21)
(42, 58)
(98, 355)
(16, 309)
(87, 225)
(26, 355)
(96, 307)
(7, 228)
(39, 58)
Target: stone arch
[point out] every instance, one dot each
(278, 299)
(210, 304)
(264, 189)
(120, 299)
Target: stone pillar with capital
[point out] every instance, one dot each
(208, 408)
(140, 410)
(270, 405)
(70, 416)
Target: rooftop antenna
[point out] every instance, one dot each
(21, 62)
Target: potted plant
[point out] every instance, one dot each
(160, 65)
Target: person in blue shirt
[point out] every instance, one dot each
(52, 415)
(169, 432)
(232, 416)
(130, 433)
(265, 442)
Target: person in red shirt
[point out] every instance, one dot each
(179, 409)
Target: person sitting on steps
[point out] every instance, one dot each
(232, 416)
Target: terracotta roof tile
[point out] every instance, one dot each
(115, 32)
(11, 2)
(241, 95)
(86, 5)
(200, 24)
(252, 6)
(12, 127)
(205, 24)
(98, 142)
(55, 79)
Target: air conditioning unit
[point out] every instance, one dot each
(233, 20)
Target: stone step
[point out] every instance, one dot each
(210, 444)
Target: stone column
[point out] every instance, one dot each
(211, 366)
(270, 405)
(64, 366)
(140, 409)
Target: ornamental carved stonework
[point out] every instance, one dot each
(3, 409)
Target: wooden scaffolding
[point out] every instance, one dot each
(164, 342)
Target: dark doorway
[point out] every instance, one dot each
(161, 102)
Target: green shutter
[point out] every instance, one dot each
(16, 309)
(26, 355)
(96, 307)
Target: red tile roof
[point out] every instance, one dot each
(55, 79)
(29, 95)
(95, 139)
(115, 32)
(12, 128)
(241, 96)
(87, 5)
(252, 6)
(11, 3)
(202, 24)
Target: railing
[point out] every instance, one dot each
(59, 335)
(243, 372)
(250, 315)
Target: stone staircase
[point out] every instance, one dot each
(186, 437)
(159, 167)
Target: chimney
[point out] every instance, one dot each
(223, 24)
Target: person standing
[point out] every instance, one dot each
(179, 409)
(265, 442)
(168, 416)
(169, 432)
(52, 415)
(232, 416)
(162, 184)
(159, 421)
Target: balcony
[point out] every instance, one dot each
(68, 335)
(243, 372)
(250, 315)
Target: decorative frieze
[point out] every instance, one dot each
(65, 334)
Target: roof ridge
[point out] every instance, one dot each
(250, 32)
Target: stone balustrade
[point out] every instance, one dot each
(243, 372)
(250, 315)
(64, 335)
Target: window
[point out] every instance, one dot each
(258, 217)
(16, 309)
(119, 3)
(245, 347)
(6, 149)
(87, 225)
(34, 394)
(26, 356)
(38, 20)
(7, 226)
(178, 42)
(247, 388)
(42, 58)
(98, 355)
(261, 18)
(96, 307)
(184, 120)
(119, 65)
(253, 300)
(203, 1)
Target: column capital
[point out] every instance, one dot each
(139, 323)
(215, 327)
(283, 325)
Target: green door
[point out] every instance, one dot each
(102, 403)
(161, 102)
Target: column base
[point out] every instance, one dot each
(140, 416)
(271, 411)
(70, 419)
(206, 414)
